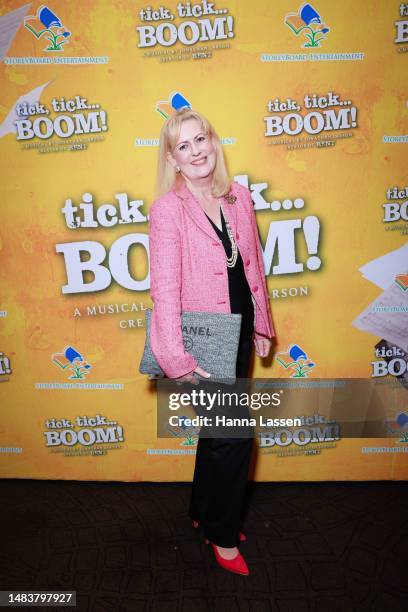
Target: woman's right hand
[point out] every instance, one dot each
(191, 377)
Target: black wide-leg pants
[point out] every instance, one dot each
(221, 474)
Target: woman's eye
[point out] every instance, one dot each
(182, 148)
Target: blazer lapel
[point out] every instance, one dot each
(230, 211)
(194, 210)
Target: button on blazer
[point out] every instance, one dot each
(188, 270)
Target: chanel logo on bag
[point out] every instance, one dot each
(188, 343)
(196, 331)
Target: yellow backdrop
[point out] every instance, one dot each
(310, 104)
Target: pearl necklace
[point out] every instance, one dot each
(231, 261)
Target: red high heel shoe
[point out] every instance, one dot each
(236, 565)
(242, 536)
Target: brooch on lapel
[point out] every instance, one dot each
(231, 199)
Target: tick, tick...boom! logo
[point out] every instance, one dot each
(391, 361)
(315, 429)
(401, 29)
(73, 117)
(396, 209)
(200, 22)
(324, 117)
(83, 435)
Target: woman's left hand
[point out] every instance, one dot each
(262, 346)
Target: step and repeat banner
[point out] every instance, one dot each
(311, 105)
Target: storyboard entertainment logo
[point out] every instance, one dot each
(48, 35)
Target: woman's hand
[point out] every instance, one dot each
(191, 377)
(262, 346)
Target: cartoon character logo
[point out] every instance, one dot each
(307, 21)
(47, 24)
(175, 102)
(399, 424)
(295, 360)
(190, 434)
(72, 360)
(402, 281)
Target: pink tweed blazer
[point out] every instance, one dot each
(188, 270)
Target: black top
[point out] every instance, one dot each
(239, 291)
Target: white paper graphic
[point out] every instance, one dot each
(387, 317)
(383, 270)
(9, 24)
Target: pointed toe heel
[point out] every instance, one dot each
(236, 565)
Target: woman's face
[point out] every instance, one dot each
(194, 153)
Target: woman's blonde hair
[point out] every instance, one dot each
(167, 177)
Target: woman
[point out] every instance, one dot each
(205, 255)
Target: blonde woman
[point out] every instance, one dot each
(205, 255)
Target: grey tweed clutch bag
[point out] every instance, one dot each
(212, 338)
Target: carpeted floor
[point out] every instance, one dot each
(312, 547)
